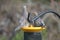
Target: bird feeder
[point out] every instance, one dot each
(31, 28)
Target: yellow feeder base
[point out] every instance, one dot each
(32, 29)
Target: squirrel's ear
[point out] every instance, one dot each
(25, 12)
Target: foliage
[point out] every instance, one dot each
(57, 0)
(44, 34)
(19, 36)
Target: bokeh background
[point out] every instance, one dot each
(15, 8)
